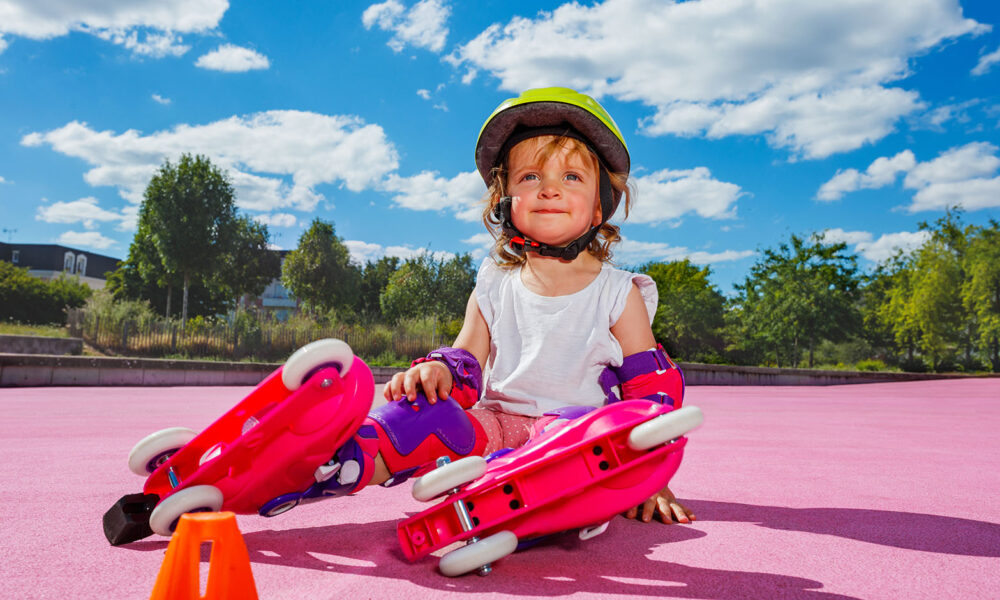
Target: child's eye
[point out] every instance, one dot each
(529, 177)
(573, 177)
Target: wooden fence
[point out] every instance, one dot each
(272, 342)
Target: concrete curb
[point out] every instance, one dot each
(35, 344)
(37, 370)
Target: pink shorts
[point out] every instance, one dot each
(504, 430)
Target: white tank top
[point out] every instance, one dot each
(548, 352)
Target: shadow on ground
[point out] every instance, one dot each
(619, 561)
(910, 531)
(614, 563)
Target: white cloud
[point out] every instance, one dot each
(935, 118)
(963, 176)
(422, 26)
(2, 180)
(813, 77)
(428, 191)
(3, 44)
(635, 252)
(667, 195)
(277, 220)
(362, 252)
(153, 45)
(425, 94)
(986, 62)
(160, 99)
(971, 161)
(972, 194)
(84, 210)
(852, 238)
(233, 59)
(88, 239)
(482, 243)
(878, 250)
(118, 21)
(880, 173)
(260, 151)
(887, 245)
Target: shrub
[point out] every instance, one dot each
(871, 364)
(28, 299)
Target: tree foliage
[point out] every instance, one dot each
(319, 271)
(230, 258)
(192, 222)
(795, 296)
(690, 316)
(28, 299)
(250, 264)
(981, 289)
(374, 279)
(423, 286)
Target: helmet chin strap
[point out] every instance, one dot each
(520, 244)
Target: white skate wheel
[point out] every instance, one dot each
(197, 498)
(475, 555)
(314, 355)
(664, 428)
(154, 449)
(448, 477)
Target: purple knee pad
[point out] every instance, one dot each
(413, 433)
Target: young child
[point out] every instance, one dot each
(558, 327)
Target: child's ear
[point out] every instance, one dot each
(597, 214)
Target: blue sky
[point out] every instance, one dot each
(747, 120)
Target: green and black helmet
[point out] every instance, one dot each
(561, 112)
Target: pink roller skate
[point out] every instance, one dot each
(263, 456)
(576, 475)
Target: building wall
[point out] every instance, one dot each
(47, 261)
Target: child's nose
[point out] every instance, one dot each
(549, 188)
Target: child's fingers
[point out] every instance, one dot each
(648, 507)
(632, 512)
(410, 380)
(393, 388)
(429, 382)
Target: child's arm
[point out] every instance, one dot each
(434, 377)
(635, 335)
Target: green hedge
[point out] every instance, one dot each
(28, 299)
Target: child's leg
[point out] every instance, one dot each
(401, 439)
(503, 430)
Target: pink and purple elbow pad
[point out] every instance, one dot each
(649, 375)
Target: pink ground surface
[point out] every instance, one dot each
(864, 491)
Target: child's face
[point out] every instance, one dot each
(555, 199)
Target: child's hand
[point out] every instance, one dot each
(432, 377)
(665, 506)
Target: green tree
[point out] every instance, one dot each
(981, 288)
(934, 303)
(423, 286)
(319, 271)
(250, 264)
(795, 296)
(690, 316)
(192, 219)
(374, 279)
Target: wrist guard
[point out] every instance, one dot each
(466, 374)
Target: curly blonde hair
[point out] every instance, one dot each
(607, 235)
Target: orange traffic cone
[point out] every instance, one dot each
(229, 575)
